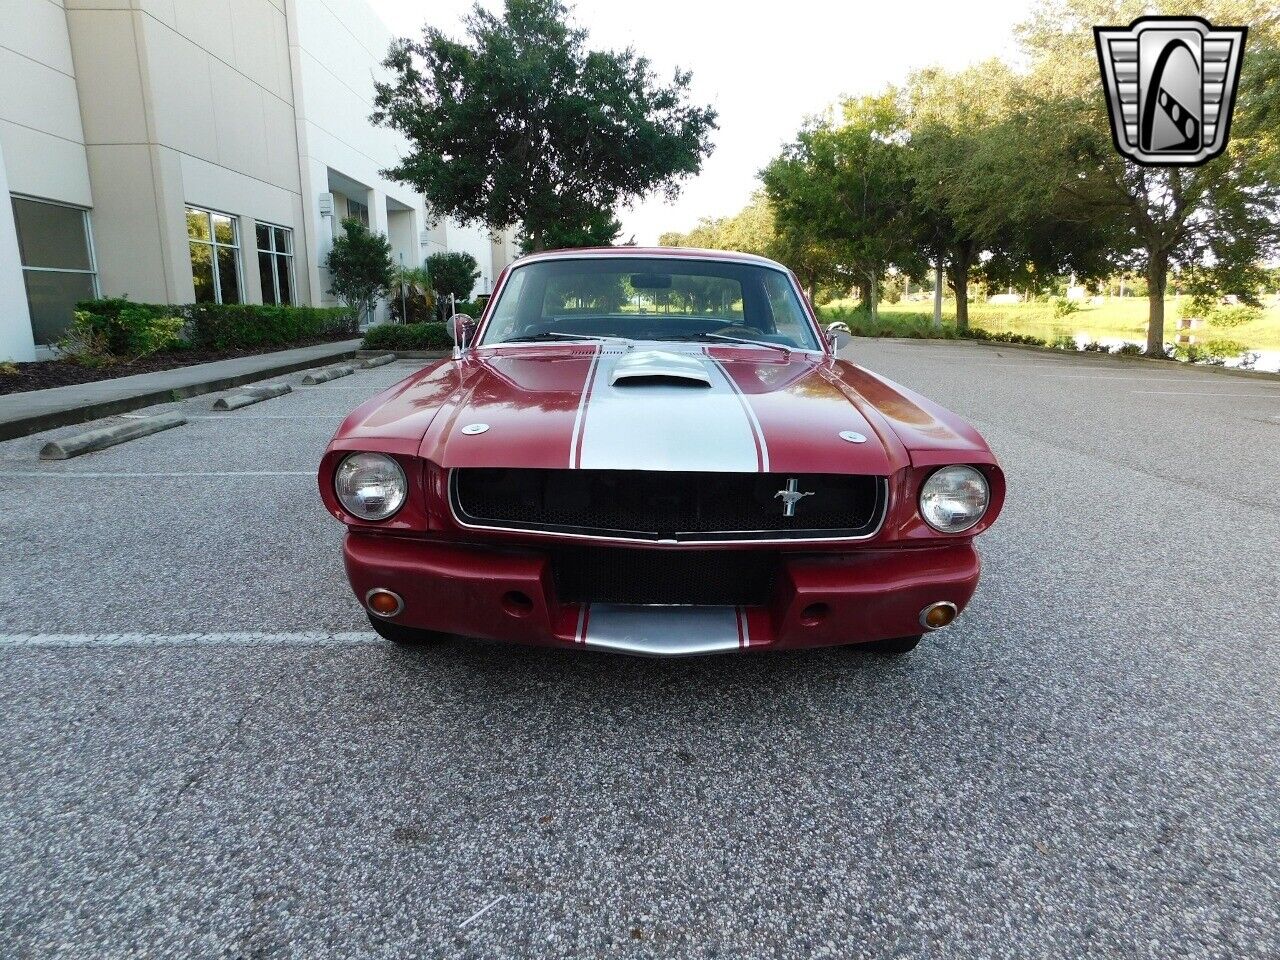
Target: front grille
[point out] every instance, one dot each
(653, 505)
(703, 577)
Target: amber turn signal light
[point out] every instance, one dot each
(938, 615)
(383, 603)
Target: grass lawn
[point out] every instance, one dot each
(1118, 318)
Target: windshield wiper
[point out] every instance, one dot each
(553, 335)
(729, 339)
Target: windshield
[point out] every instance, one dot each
(649, 298)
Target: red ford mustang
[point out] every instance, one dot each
(657, 451)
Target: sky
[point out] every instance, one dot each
(764, 66)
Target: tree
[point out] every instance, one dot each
(523, 124)
(452, 275)
(841, 195)
(360, 267)
(750, 230)
(413, 300)
(1217, 222)
(599, 229)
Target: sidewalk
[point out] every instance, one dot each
(22, 414)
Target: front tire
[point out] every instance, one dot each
(893, 648)
(403, 636)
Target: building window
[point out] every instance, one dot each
(56, 251)
(215, 256)
(358, 211)
(275, 263)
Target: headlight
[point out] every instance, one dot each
(954, 499)
(370, 485)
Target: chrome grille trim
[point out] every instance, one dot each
(701, 538)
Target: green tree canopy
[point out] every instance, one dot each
(452, 274)
(841, 194)
(521, 123)
(1215, 223)
(360, 266)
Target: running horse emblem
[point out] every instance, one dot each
(791, 496)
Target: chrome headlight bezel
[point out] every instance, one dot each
(373, 468)
(949, 489)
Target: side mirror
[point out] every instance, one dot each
(464, 328)
(839, 336)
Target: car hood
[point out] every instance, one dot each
(661, 406)
(656, 407)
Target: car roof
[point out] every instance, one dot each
(686, 253)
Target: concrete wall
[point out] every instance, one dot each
(40, 127)
(336, 48)
(185, 102)
(492, 251)
(134, 109)
(42, 151)
(16, 342)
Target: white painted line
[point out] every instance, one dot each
(482, 911)
(268, 416)
(1202, 393)
(87, 475)
(1106, 376)
(306, 639)
(255, 416)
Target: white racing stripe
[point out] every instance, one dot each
(299, 639)
(665, 426)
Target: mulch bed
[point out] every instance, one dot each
(63, 373)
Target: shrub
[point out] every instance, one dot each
(113, 330)
(408, 336)
(452, 274)
(121, 328)
(1130, 350)
(233, 326)
(1226, 318)
(1093, 346)
(1062, 307)
(360, 266)
(1063, 341)
(413, 308)
(470, 308)
(1214, 353)
(9, 369)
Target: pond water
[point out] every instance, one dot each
(1266, 359)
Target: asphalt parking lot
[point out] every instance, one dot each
(204, 752)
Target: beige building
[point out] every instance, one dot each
(189, 150)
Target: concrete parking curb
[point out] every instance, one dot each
(404, 354)
(104, 437)
(251, 396)
(368, 362)
(22, 414)
(327, 374)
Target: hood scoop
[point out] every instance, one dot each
(659, 367)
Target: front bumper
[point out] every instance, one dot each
(819, 599)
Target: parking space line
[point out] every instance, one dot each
(268, 416)
(1106, 376)
(241, 639)
(92, 475)
(1210, 393)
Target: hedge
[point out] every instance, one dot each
(222, 326)
(408, 336)
(226, 326)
